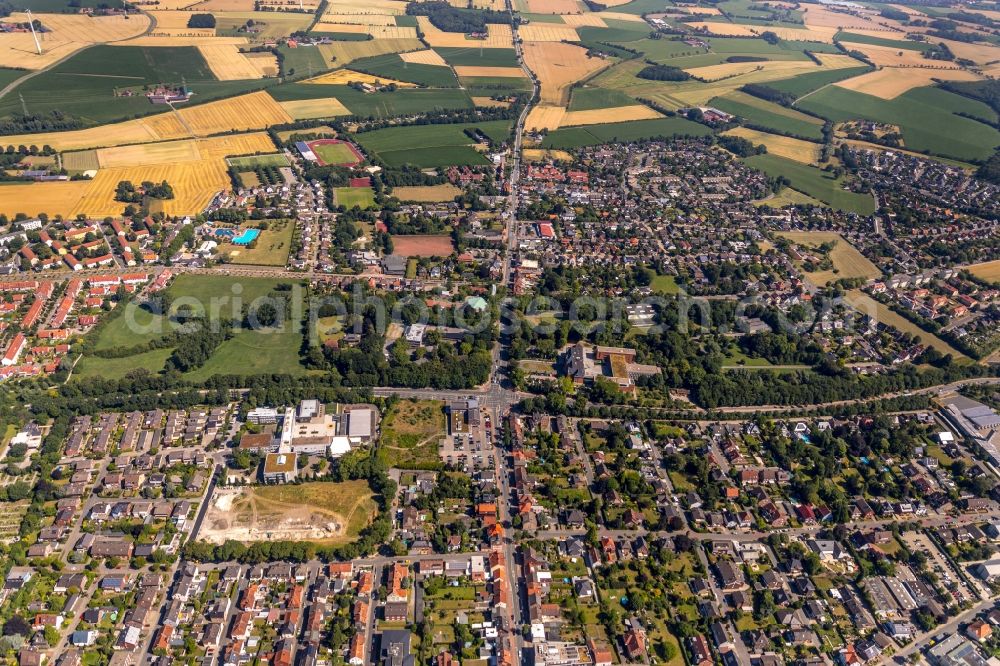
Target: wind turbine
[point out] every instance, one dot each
(31, 24)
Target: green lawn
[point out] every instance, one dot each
(814, 182)
(634, 130)
(665, 284)
(95, 367)
(251, 161)
(255, 352)
(271, 248)
(807, 83)
(431, 145)
(350, 197)
(845, 36)
(590, 97)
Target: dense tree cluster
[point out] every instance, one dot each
(663, 73)
(201, 21)
(452, 19)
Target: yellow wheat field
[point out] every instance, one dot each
(620, 16)
(891, 82)
(543, 155)
(978, 53)
(489, 101)
(545, 117)
(360, 19)
(552, 6)
(548, 32)
(253, 111)
(618, 114)
(701, 11)
(65, 34)
(989, 270)
(264, 62)
(424, 57)
(582, 20)
(885, 56)
(343, 53)
(798, 150)
(499, 36)
(308, 109)
(344, 76)
(821, 17)
(174, 22)
(392, 7)
(219, 6)
(502, 72)
(376, 31)
(720, 28)
(227, 63)
(34, 198)
(733, 69)
(558, 66)
(147, 5)
(195, 169)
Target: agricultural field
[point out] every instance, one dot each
(394, 67)
(311, 109)
(381, 105)
(322, 512)
(423, 246)
(64, 35)
(430, 145)
(798, 150)
(989, 270)
(590, 135)
(339, 54)
(814, 182)
(228, 63)
(891, 82)
(499, 36)
(847, 261)
(411, 433)
(254, 111)
(557, 67)
(342, 77)
(427, 193)
(920, 113)
(770, 115)
(620, 114)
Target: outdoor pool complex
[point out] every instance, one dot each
(248, 236)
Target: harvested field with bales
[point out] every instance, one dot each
(66, 34)
(557, 67)
(798, 150)
(891, 82)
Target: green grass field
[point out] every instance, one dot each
(251, 161)
(95, 367)
(617, 31)
(334, 153)
(430, 145)
(411, 431)
(471, 56)
(350, 197)
(402, 102)
(587, 98)
(921, 114)
(392, 66)
(635, 130)
(806, 83)
(814, 182)
(849, 37)
(770, 115)
(255, 352)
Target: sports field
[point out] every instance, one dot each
(847, 261)
(349, 197)
(423, 246)
(335, 151)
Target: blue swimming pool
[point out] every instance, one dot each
(248, 236)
